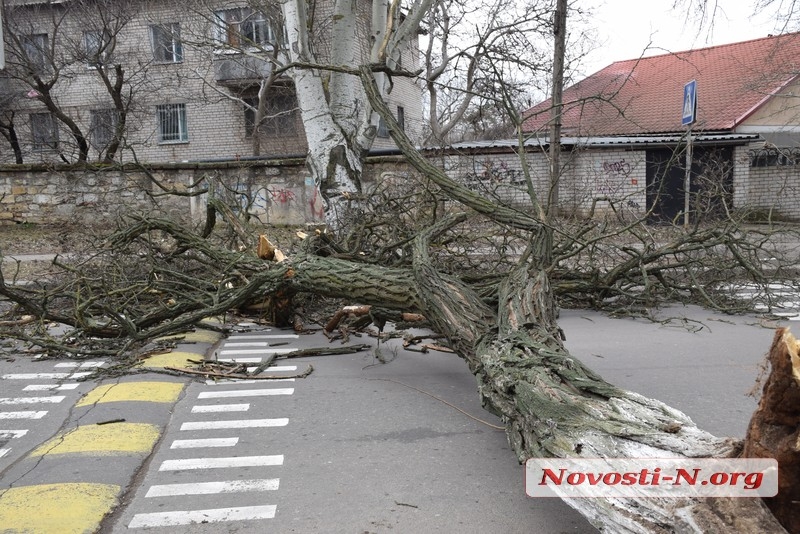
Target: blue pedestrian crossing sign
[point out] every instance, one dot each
(689, 103)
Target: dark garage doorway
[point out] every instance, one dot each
(711, 183)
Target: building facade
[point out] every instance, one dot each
(150, 81)
(628, 127)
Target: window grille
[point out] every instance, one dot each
(172, 123)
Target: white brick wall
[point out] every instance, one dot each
(215, 122)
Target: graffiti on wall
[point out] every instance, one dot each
(619, 168)
(613, 178)
(315, 202)
(281, 195)
(488, 174)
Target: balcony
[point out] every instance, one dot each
(240, 69)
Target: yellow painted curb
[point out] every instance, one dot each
(113, 438)
(133, 391)
(172, 359)
(200, 336)
(56, 508)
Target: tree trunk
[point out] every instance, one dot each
(335, 152)
(774, 430)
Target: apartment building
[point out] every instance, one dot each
(150, 81)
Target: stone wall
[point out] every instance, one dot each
(280, 192)
(277, 192)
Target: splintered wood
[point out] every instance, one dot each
(774, 430)
(267, 251)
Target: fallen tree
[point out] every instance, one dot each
(155, 277)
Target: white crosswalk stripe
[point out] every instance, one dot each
(247, 348)
(242, 423)
(60, 380)
(221, 408)
(55, 399)
(210, 488)
(221, 463)
(231, 393)
(203, 442)
(189, 517)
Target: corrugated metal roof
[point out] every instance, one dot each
(617, 140)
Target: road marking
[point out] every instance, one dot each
(83, 365)
(228, 393)
(171, 359)
(199, 336)
(50, 387)
(247, 423)
(3, 452)
(55, 399)
(44, 376)
(28, 414)
(211, 488)
(144, 391)
(220, 463)
(56, 508)
(221, 408)
(255, 351)
(229, 381)
(201, 443)
(191, 517)
(276, 369)
(116, 438)
(264, 336)
(247, 344)
(11, 434)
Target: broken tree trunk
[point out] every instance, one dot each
(554, 406)
(551, 404)
(774, 430)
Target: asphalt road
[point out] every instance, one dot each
(359, 446)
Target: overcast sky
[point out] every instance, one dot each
(627, 27)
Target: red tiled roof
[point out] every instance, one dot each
(644, 96)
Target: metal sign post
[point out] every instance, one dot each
(687, 119)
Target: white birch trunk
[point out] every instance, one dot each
(331, 126)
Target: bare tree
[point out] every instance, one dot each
(46, 53)
(8, 127)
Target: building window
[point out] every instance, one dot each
(96, 47)
(103, 127)
(35, 48)
(172, 123)
(383, 130)
(280, 114)
(166, 40)
(242, 27)
(44, 131)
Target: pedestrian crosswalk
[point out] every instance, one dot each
(214, 442)
(23, 412)
(778, 299)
